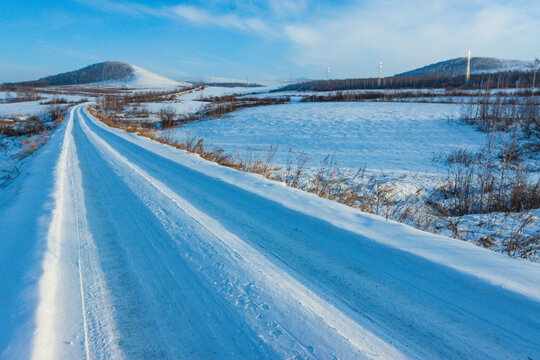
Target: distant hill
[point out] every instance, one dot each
(444, 74)
(107, 74)
(479, 65)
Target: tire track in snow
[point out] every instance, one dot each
(59, 323)
(424, 309)
(313, 306)
(164, 307)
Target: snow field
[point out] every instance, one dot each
(402, 137)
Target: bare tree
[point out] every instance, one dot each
(167, 116)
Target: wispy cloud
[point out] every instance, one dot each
(353, 35)
(195, 15)
(231, 21)
(288, 8)
(407, 33)
(128, 8)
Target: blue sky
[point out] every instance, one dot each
(260, 39)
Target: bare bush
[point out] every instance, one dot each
(471, 187)
(55, 101)
(518, 243)
(32, 143)
(461, 156)
(167, 117)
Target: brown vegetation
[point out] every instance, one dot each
(20, 94)
(446, 96)
(114, 107)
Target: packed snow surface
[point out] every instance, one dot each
(382, 136)
(115, 246)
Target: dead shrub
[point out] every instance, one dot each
(167, 116)
(470, 187)
(461, 156)
(520, 244)
(31, 144)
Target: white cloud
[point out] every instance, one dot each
(128, 8)
(305, 36)
(352, 38)
(230, 21)
(287, 8)
(405, 34)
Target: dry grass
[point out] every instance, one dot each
(434, 212)
(518, 243)
(328, 181)
(31, 144)
(118, 107)
(32, 134)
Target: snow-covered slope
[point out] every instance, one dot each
(132, 249)
(140, 78)
(143, 78)
(479, 65)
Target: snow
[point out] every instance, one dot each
(4, 96)
(383, 136)
(24, 216)
(508, 65)
(23, 108)
(190, 103)
(183, 107)
(68, 97)
(117, 246)
(142, 79)
(146, 79)
(36, 107)
(215, 91)
(9, 148)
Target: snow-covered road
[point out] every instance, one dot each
(132, 249)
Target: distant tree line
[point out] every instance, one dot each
(508, 79)
(19, 94)
(234, 84)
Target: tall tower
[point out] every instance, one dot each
(468, 76)
(328, 73)
(380, 74)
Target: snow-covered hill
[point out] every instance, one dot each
(479, 65)
(142, 78)
(109, 74)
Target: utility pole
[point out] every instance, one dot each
(380, 74)
(533, 95)
(468, 76)
(535, 68)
